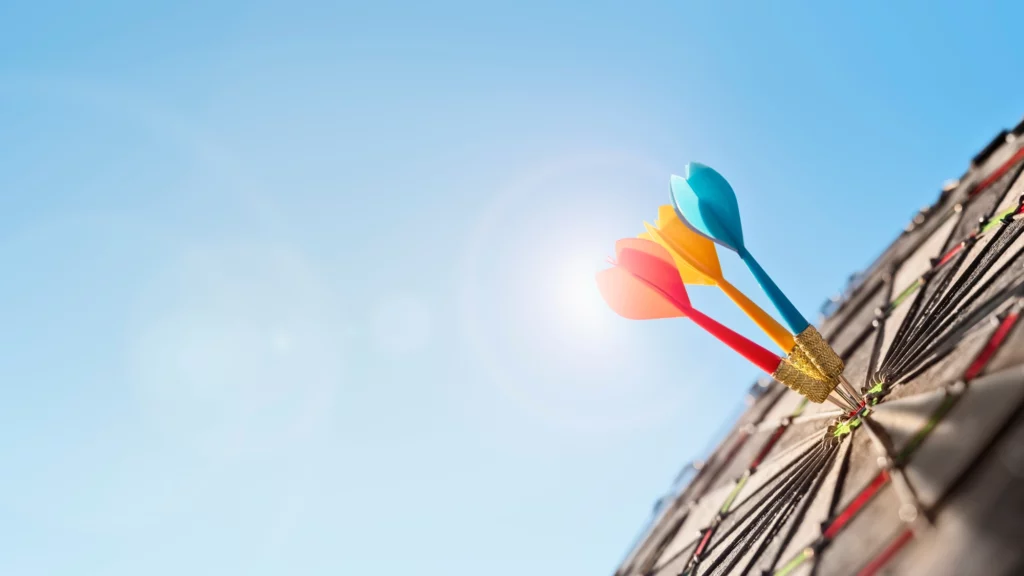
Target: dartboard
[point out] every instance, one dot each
(930, 478)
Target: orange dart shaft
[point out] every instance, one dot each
(769, 325)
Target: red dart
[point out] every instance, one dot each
(645, 285)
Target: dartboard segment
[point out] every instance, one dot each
(977, 530)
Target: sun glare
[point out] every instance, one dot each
(580, 305)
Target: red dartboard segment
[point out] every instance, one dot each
(998, 173)
(883, 558)
(991, 347)
(855, 506)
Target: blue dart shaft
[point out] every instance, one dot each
(793, 318)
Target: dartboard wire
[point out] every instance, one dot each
(875, 328)
(750, 523)
(767, 447)
(792, 470)
(809, 551)
(834, 500)
(651, 538)
(784, 543)
(666, 537)
(908, 291)
(954, 391)
(800, 506)
(992, 309)
(944, 299)
(916, 322)
(958, 255)
(985, 229)
(781, 512)
(840, 520)
(748, 431)
(951, 341)
(902, 347)
(979, 289)
(944, 268)
(753, 524)
(652, 535)
(730, 502)
(957, 318)
(659, 536)
(973, 287)
(947, 300)
(905, 326)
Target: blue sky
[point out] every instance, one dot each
(306, 288)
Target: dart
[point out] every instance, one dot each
(706, 203)
(697, 261)
(644, 284)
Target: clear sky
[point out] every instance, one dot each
(295, 288)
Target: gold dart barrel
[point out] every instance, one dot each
(802, 362)
(820, 354)
(814, 389)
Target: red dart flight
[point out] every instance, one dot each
(644, 284)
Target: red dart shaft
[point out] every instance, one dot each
(759, 355)
(662, 277)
